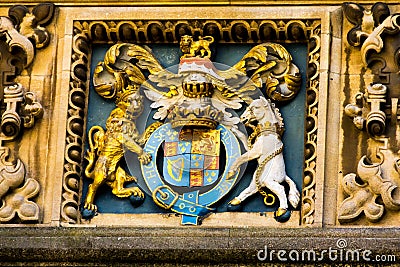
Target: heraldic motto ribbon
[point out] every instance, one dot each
(199, 174)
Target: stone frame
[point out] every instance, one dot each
(80, 35)
(147, 244)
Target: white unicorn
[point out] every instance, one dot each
(266, 148)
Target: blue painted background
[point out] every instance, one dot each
(293, 113)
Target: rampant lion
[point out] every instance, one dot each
(191, 48)
(107, 149)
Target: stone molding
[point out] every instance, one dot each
(87, 33)
(334, 146)
(141, 246)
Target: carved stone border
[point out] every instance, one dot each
(87, 32)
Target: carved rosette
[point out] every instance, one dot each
(374, 188)
(20, 33)
(86, 33)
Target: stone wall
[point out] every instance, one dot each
(349, 199)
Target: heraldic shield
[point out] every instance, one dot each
(190, 182)
(191, 157)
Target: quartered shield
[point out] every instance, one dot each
(191, 157)
(189, 181)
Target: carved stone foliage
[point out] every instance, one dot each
(374, 188)
(87, 33)
(20, 34)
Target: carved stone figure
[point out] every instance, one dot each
(108, 147)
(191, 48)
(266, 147)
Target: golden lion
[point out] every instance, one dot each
(191, 48)
(107, 149)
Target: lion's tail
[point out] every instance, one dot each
(96, 134)
(209, 39)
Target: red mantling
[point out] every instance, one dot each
(197, 64)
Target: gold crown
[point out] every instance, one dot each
(197, 90)
(125, 92)
(198, 117)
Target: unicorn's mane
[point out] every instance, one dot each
(277, 113)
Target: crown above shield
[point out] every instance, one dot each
(198, 87)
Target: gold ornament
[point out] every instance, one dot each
(107, 147)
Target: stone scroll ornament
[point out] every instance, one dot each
(21, 33)
(180, 149)
(374, 188)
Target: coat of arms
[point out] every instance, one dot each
(194, 144)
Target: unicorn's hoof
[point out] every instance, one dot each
(282, 215)
(88, 214)
(136, 201)
(234, 205)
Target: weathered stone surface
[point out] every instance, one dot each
(181, 245)
(60, 77)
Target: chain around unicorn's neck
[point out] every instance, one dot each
(260, 129)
